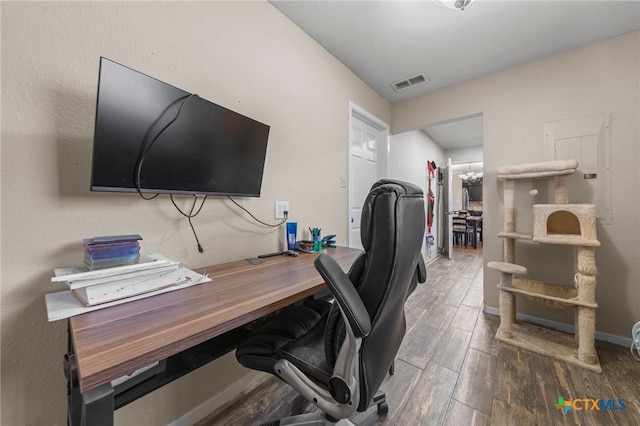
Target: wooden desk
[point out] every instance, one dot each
(116, 341)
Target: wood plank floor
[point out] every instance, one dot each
(451, 371)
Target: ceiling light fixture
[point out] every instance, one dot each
(471, 176)
(454, 4)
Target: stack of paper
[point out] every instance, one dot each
(65, 304)
(111, 251)
(153, 273)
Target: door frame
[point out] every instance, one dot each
(448, 212)
(382, 150)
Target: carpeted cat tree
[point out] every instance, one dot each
(558, 223)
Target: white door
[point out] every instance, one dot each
(366, 137)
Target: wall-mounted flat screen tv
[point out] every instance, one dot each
(152, 137)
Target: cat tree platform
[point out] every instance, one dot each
(550, 343)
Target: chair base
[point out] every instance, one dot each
(299, 405)
(317, 418)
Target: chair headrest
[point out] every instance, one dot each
(383, 187)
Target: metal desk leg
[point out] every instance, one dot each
(74, 397)
(94, 407)
(97, 406)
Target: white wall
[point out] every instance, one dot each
(246, 56)
(516, 103)
(408, 156)
(470, 154)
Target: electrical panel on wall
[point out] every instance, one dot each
(588, 140)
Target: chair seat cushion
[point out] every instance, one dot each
(295, 334)
(308, 354)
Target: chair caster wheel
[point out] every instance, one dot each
(383, 408)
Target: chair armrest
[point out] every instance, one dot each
(419, 277)
(345, 293)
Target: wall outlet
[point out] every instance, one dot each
(281, 207)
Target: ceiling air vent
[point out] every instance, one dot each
(409, 82)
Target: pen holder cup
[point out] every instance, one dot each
(292, 234)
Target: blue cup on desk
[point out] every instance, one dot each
(292, 234)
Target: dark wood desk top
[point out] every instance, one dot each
(115, 341)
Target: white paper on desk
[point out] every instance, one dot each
(126, 276)
(82, 272)
(122, 289)
(64, 304)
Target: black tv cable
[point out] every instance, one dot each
(286, 216)
(191, 215)
(143, 155)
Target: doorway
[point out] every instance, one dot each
(468, 203)
(368, 141)
(462, 142)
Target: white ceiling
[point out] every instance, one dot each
(383, 42)
(456, 134)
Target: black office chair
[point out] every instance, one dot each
(336, 355)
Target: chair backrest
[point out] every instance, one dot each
(459, 221)
(392, 233)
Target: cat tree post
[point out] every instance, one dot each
(561, 192)
(509, 220)
(507, 298)
(586, 283)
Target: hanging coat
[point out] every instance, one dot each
(431, 198)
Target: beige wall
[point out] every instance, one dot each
(245, 56)
(603, 77)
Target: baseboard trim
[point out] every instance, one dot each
(222, 399)
(566, 328)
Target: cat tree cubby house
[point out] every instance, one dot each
(561, 223)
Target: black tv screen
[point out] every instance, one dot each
(156, 138)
